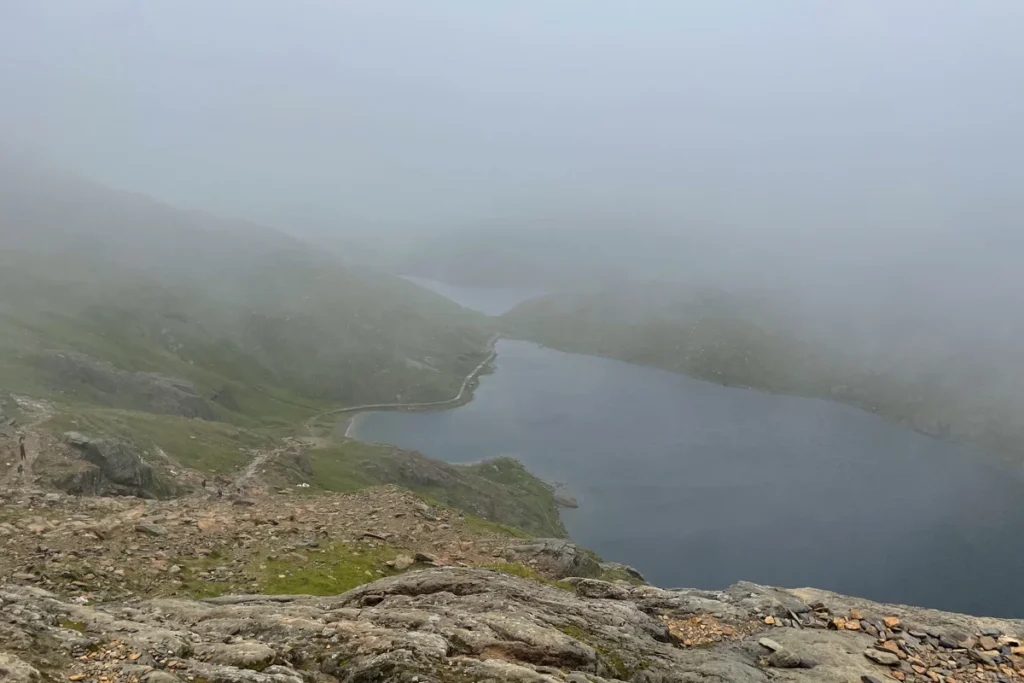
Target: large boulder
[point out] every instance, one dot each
(115, 469)
(555, 557)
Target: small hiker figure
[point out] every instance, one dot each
(21, 446)
(204, 484)
(220, 493)
(21, 470)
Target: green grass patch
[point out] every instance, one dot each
(612, 575)
(339, 568)
(613, 660)
(501, 493)
(73, 625)
(486, 526)
(525, 572)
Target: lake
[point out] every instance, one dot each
(695, 484)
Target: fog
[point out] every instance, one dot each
(790, 142)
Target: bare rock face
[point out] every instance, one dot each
(555, 557)
(116, 470)
(112, 386)
(462, 625)
(14, 670)
(566, 501)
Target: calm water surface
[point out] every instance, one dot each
(701, 485)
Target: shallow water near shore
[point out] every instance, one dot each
(701, 485)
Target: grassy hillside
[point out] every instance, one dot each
(946, 391)
(102, 288)
(501, 490)
(201, 342)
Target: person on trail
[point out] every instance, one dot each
(21, 470)
(220, 493)
(204, 484)
(21, 448)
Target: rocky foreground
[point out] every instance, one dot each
(110, 590)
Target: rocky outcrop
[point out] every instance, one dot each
(461, 625)
(109, 385)
(78, 578)
(115, 469)
(563, 500)
(554, 557)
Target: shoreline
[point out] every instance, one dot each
(453, 402)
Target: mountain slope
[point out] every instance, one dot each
(259, 326)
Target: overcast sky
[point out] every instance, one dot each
(897, 120)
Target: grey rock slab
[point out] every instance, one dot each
(882, 657)
(555, 556)
(157, 676)
(15, 670)
(468, 624)
(246, 655)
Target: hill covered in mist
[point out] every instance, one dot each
(114, 299)
(957, 386)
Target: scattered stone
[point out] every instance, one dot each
(158, 676)
(785, 659)
(151, 529)
(770, 644)
(987, 642)
(403, 562)
(882, 657)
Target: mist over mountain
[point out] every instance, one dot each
(235, 308)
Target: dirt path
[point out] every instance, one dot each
(40, 412)
(250, 475)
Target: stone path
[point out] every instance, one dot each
(39, 412)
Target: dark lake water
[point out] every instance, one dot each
(701, 485)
